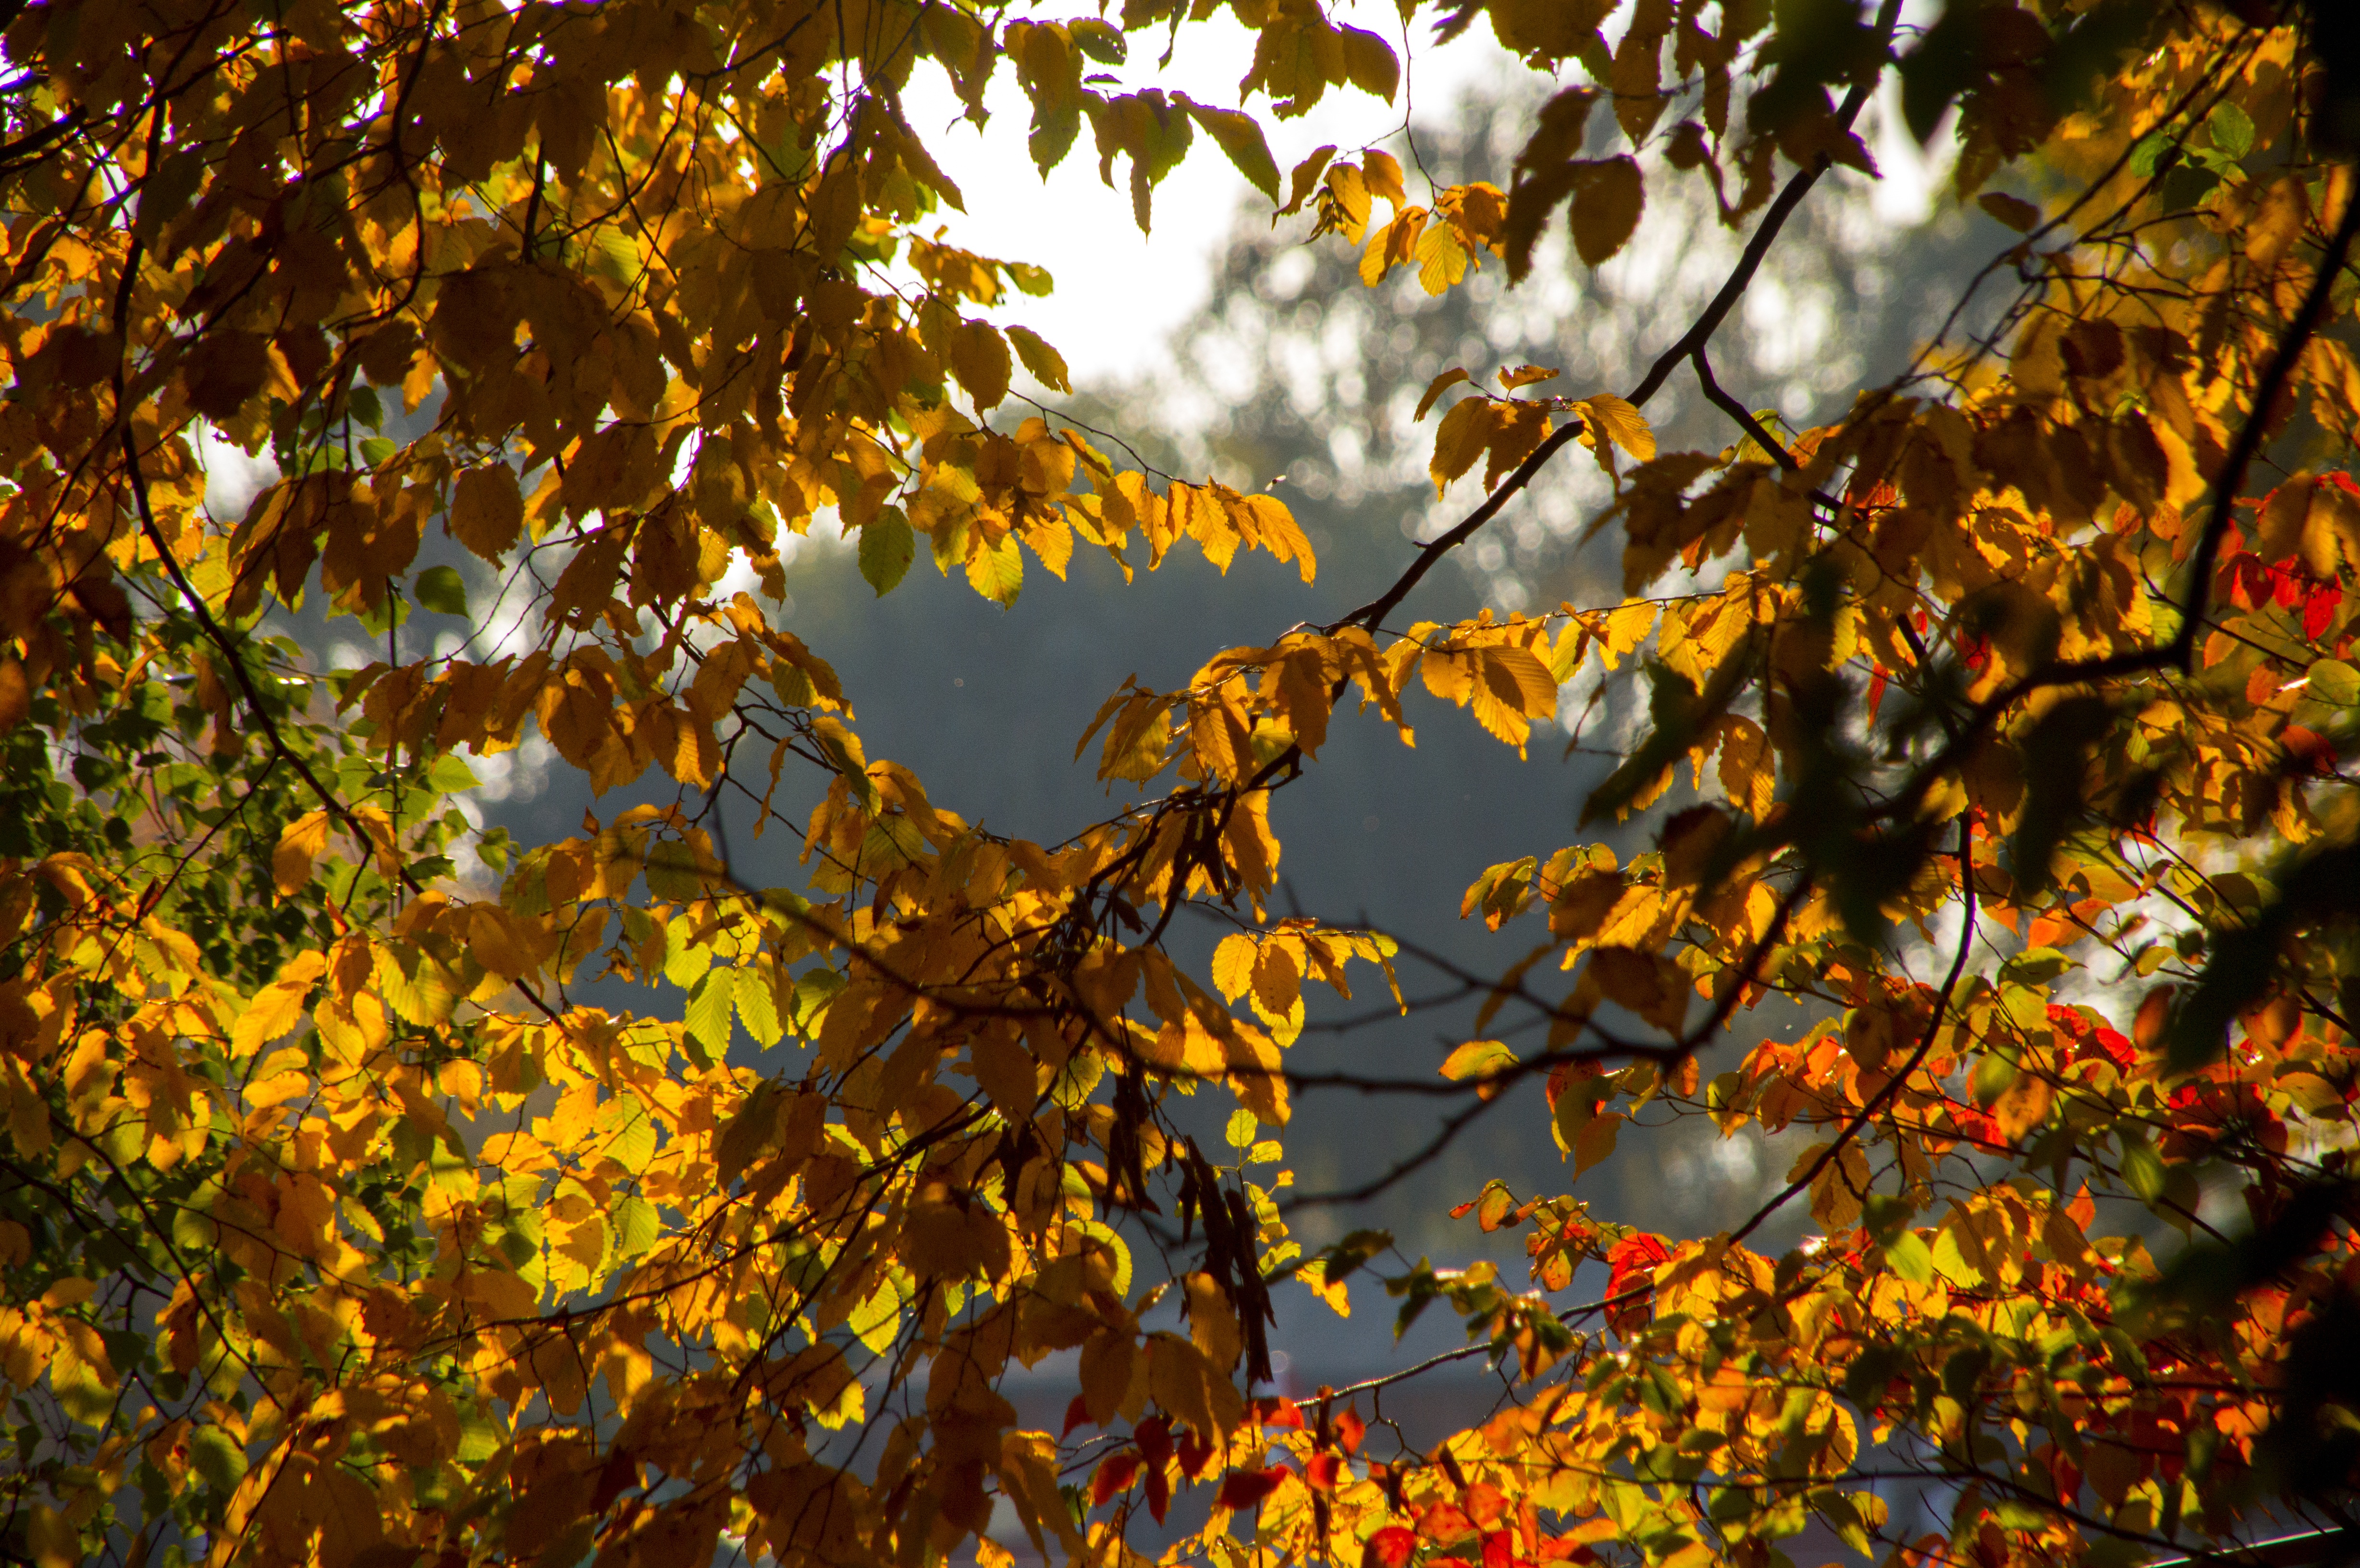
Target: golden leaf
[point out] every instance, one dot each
(299, 843)
(1622, 424)
(1435, 389)
(1462, 437)
(1233, 965)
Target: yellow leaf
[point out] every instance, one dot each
(1043, 364)
(1436, 388)
(1233, 965)
(278, 1007)
(1442, 258)
(996, 571)
(1212, 1322)
(1518, 678)
(299, 843)
(1391, 245)
(1305, 180)
(375, 822)
(1277, 980)
(1314, 1274)
(1478, 1059)
(1461, 437)
(1621, 423)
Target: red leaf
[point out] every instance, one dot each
(1159, 1493)
(1322, 1471)
(1634, 1261)
(2319, 611)
(1445, 1522)
(1114, 1478)
(1390, 1547)
(1350, 1429)
(1499, 1550)
(1485, 1503)
(2308, 749)
(1246, 1489)
(1154, 1437)
(1278, 1413)
(1077, 1414)
(1196, 1452)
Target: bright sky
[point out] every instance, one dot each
(1119, 294)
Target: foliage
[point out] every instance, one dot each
(2000, 722)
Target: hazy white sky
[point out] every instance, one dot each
(1119, 293)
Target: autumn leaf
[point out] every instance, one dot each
(299, 843)
(1436, 388)
(1621, 423)
(1607, 197)
(2027, 683)
(1462, 437)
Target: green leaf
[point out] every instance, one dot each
(1876, 1367)
(2150, 155)
(448, 775)
(415, 983)
(815, 989)
(478, 1439)
(709, 1010)
(887, 545)
(1100, 40)
(440, 588)
(1241, 1129)
(672, 871)
(216, 1457)
(635, 1226)
(2035, 966)
(2334, 683)
(1994, 1074)
(757, 1008)
(2233, 131)
(1239, 135)
(2142, 1168)
(635, 1145)
(1908, 1256)
(877, 1321)
(1043, 364)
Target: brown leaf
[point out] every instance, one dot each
(1608, 195)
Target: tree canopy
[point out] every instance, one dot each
(382, 1189)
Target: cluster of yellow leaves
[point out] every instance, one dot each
(435, 1259)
